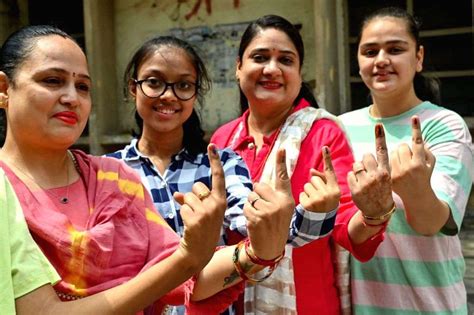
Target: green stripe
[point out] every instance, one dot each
(398, 225)
(410, 273)
(456, 170)
(373, 310)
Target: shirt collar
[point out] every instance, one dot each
(133, 154)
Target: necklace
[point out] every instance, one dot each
(62, 199)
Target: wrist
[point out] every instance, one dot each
(379, 218)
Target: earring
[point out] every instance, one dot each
(3, 101)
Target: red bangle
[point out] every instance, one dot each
(259, 261)
(241, 271)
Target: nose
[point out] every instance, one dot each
(271, 68)
(382, 59)
(168, 94)
(69, 96)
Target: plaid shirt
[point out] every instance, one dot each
(184, 170)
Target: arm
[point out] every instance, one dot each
(433, 195)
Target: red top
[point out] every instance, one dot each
(314, 272)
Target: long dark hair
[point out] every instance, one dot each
(193, 138)
(283, 25)
(16, 49)
(425, 88)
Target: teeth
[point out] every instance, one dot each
(164, 110)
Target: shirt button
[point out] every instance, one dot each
(251, 146)
(170, 216)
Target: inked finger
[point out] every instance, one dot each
(282, 179)
(381, 147)
(417, 139)
(328, 167)
(218, 181)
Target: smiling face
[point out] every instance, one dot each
(269, 72)
(49, 97)
(165, 114)
(388, 57)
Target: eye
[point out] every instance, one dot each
(369, 52)
(396, 50)
(258, 58)
(286, 61)
(184, 85)
(52, 80)
(154, 82)
(83, 87)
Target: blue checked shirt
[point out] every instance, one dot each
(184, 170)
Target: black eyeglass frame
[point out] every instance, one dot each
(167, 84)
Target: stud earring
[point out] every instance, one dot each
(3, 101)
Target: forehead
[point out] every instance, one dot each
(385, 29)
(55, 51)
(170, 59)
(271, 38)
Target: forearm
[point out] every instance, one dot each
(128, 298)
(425, 213)
(307, 226)
(360, 232)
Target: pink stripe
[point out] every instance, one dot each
(422, 248)
(409, 298)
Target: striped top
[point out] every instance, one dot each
(411, 273)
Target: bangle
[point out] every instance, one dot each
(383, 224)
(241, 271)
(381, 217)
(259, 261)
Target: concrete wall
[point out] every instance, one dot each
(135, 21)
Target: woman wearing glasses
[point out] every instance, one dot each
(166, 77)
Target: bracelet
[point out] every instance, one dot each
(383, 224)
(241, 271)
(259, 261)
(381, 217)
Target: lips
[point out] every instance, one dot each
(165, 110)
(271, 85)
(67, 117)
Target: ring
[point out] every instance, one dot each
(254, 201)
(359, 169)
(203, 195)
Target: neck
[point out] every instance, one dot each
(162, 146)
(265, 123)
(46, 168)
(393, 105)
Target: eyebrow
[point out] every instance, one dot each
(395, 41)
(150, 72)
(268, 49)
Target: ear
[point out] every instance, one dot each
(420, 55)
(132, 88)
(238, 64)
(3, 90)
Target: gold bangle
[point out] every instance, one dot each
(242, 273)
(381, 217)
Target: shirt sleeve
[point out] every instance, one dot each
(30, 269)
(448, 138)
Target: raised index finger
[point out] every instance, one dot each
(328, 167)
(381, 147)
(282, 179)
(218, 181)
(418, 145)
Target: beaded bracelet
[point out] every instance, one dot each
(241, 271)
(381, 217)
(259, 261)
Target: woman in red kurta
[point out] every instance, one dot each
(279, 105)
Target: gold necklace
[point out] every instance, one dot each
(61, 199)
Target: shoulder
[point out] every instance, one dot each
(354, 116)
(124, 152)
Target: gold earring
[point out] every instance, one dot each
(3, 102)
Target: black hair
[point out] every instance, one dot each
(193, 139)
(283, 25)
(425, 88)
(16, 49)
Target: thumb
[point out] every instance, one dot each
(429, 157)
(282, 179)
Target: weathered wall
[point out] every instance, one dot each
(135, 21)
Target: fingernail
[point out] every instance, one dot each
(326, 150)
(416, 122)
(379, 131)
(213, 149)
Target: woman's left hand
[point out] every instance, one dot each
(412, 168)
(269, 213)
(322, 192)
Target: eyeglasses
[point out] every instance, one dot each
(154, 88)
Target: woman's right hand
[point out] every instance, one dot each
(202, 211)
(370, 181)
(269, 212)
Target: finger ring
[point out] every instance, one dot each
(254, 201)
(203, 195)
(358, 170)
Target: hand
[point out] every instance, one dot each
(269, 213)
(369, 180)
(321, 193)
(202, 212)
(412, 169)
